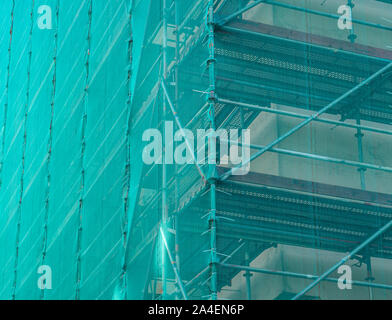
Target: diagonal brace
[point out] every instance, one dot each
(177, 119)
(179, 282)
(344, 260)
(309, 119)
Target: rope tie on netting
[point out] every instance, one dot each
(5, 113)
(127, 168)
(25, 111)
(82, 156)
(50, 143)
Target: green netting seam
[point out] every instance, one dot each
(19, 209)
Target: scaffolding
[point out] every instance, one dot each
(212, 65)
(311, 82)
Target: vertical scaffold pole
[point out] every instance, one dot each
(164, 168)
(176, 222)
(212, 175)
(359, 136)
(248, 276)
(370, 277)
(352, 36)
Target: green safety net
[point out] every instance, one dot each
(64, 91)
(78, 102)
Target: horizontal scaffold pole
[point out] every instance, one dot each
(302, 116)
(227, 19)
(303, 276)
(325, 14)
(316, 157)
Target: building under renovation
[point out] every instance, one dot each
(109, 191)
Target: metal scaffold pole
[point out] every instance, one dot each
(248, 276)
(369, 277)
(359, 135)
(164, 168)
(212, 174)
(175, 269)
(366, 284)
(177, 182)
(299, 9)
